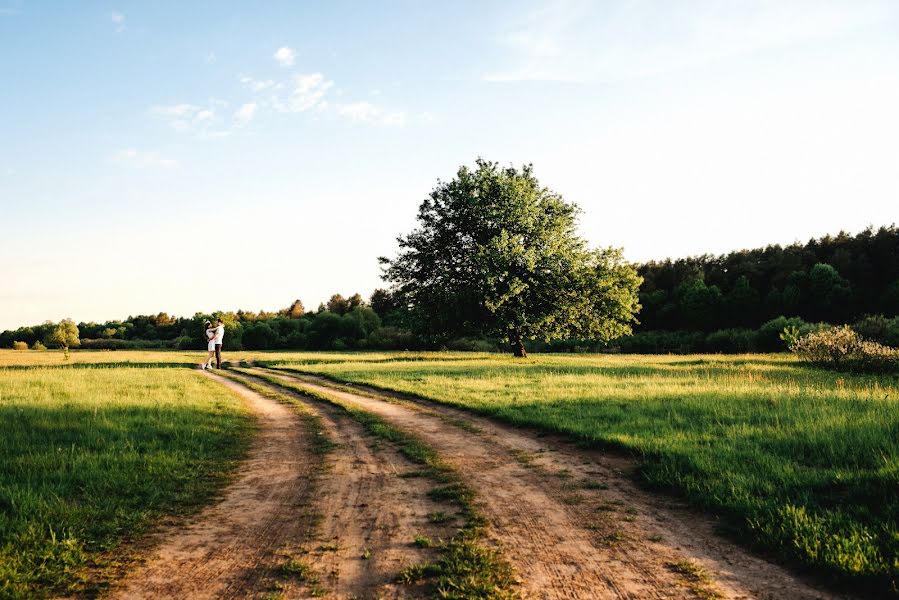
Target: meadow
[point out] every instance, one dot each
(801, 463)
(94, 457)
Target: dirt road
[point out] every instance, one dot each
(231, 548)
(572, 522)
(299, 521)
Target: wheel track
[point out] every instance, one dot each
(228, 550)
(366, 505)
(654, 536)
(554, 556)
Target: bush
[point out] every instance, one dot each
(19, 346)
(660, 342)
(731, 341)
(117, 344)
(877, 328)
(38, 346)
(841, 348)
(391, 338)
(471, 345)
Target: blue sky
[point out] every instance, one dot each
(195, 156)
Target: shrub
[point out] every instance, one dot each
(877, 328)
(391, 338)
(19, 346)
(731, 341)
(654, 342)
(38, 346)
(768, 338)
(844, 349)
(465, 344)
(117, 344)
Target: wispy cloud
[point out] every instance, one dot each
(7, 172)
(366, 112)
(131, 157)
(245, 113)
(258, 85)
(576, 40)
(211, 58)
(305, 92)
(9, 12)
(190, 118)
(118, 20)
(285, 56)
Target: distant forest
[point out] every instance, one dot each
(737, 302)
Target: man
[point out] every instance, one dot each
(217, 339)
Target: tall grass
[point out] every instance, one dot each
(802, 463)
(92, 457)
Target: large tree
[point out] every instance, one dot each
(498, 254)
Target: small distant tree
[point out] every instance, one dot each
(381, 302)
(20, 346)
(295, 310)
(497, 254)
(338, 305)
(64, 335)
(354, 301)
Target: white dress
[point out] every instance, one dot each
(210, 334)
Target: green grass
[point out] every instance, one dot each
(91, 458)
(803, 463)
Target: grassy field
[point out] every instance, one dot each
(802, 463)
(92, 457)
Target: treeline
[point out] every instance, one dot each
(738, 302)
(835, 279)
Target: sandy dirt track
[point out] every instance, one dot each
(348, 515)
(565, 537)
(230, 549)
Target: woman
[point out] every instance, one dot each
(210, 345)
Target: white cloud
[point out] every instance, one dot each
(259, 85)
(190, 118)
(285, 56)
(308, 92)
(358, 111)
(366, 112)
(211, 58)
(7, 172)
(118, 19)
(246, 112)
(131, 157)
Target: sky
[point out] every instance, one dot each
(184, 157)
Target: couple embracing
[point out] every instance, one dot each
(214, 336)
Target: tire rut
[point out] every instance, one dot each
(368, 514)
(573, 522)
(229, 549)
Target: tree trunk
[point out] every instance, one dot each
(518, 347)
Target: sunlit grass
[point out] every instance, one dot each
(92, 457)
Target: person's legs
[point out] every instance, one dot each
(211, 355)
(218, 356)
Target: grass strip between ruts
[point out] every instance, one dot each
(466, 568)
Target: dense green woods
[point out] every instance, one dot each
(833, 279)
(737, 302)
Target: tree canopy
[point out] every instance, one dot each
(498, 254)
